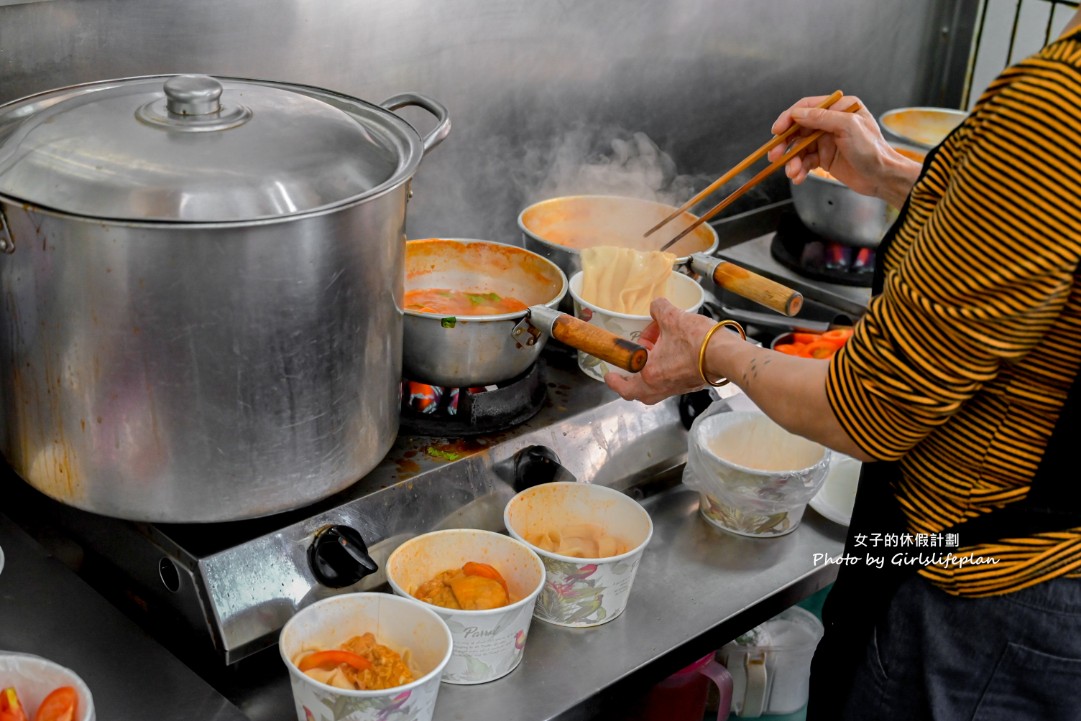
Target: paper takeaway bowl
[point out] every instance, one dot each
(488, 644)
(403, 625)
(581, 591)
(684, 293)
(34, 678)
(754, 478)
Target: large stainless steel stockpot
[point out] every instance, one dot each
(200, 318)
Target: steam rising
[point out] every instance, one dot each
(505, 175)
(607, 161)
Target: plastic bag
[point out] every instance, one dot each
(744, 499)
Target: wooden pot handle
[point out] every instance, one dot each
(591, 339)
(750, 285)
(598, 342)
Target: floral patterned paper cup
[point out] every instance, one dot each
(581, 591)
(683, 291)
(487, 644)
(402, 624)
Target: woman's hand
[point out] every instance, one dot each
(673, 339)
(852, 150)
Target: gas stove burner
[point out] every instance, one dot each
(429, 410)
(804, 252)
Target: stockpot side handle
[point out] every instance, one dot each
(442, 127)
(591, 339)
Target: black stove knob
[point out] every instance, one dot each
(339, 557)
(693, 404)
(534, 465)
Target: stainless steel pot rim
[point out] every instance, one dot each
(516, 316)
(620, 198)
(204, 174)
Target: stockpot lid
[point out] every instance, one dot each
(199, 149)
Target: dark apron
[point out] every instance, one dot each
(862, 593)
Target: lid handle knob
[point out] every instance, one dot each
(192, 95)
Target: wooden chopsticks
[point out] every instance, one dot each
(743, 165)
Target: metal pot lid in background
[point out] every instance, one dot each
(197, 149)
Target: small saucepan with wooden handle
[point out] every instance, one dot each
(479, 312)
(559, 228)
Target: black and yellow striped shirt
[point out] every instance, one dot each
(962, 364)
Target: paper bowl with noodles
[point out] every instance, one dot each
(453, 573)
(400, 664)
(680, 289)
(591, 540)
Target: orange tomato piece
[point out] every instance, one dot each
(790, 348)
(11, 709)
(330, 659)
(60, 705)
(802, 337)
(838, 334)
(483, 569)
(820, 349)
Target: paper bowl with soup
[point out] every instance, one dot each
(614, 290)
(591, 540)
(560, 228)
(484, 585)
(365, 657)
(754, 478)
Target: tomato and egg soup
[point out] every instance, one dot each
(360, 663)
(473, 587)
(444, 301)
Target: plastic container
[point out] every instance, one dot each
(754, 478)
(683, 695)
(771, 664)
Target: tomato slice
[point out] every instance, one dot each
(821, 349)
(330, 659)
(11, 709)
(60, 705)
(483, 569)
(838, 334)
(804, 337)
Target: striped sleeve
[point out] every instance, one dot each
(987, 271)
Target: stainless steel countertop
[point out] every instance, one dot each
(46, 610)
(697, 588)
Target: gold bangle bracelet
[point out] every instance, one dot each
(702, 351)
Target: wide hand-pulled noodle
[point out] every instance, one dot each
(624, 280)
(578, 540)
(387, 668)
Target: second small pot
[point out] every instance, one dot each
(465, 350)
